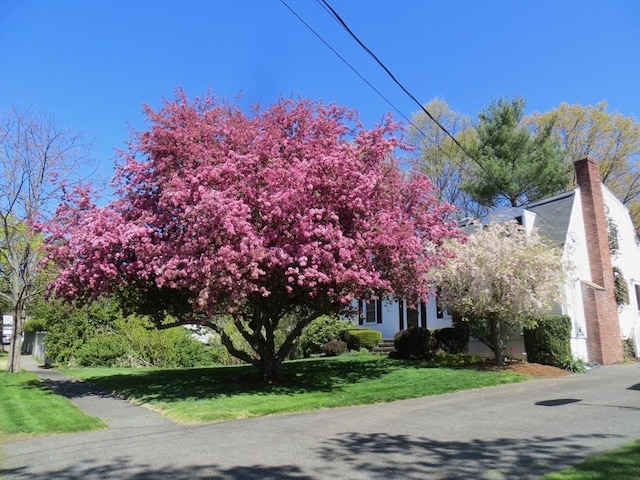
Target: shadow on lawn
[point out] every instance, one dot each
(62, 385)
(356, 455)
(209, 383)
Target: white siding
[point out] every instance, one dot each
(627, 259)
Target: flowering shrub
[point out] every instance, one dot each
(498, 279)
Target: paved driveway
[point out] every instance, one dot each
(518, 431)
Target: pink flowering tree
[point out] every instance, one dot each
(293, 210)
(498, 279)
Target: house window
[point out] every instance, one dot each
(637, 287)
(371, 311)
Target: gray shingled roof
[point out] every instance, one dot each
(553, 215)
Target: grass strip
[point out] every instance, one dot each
(29, 406)
(213, 394)
(621, 464)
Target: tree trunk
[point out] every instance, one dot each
(15, 347)
(269, 367)
(498, 341)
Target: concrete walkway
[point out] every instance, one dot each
(115, 412)
(518, 431)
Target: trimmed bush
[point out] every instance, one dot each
(322, 330)
(334, 348)
(412, 343)
(549, 343)
(452, 340)
(363, 338)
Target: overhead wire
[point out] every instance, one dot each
(353, 68)
(344, 25)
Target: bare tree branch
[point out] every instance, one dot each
(36, 160)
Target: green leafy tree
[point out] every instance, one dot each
(515, 165)
(498, 279)
(607, 137)
(441, 159)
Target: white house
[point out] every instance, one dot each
(594, 230)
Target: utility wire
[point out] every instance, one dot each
(353, 69)
(344, 25)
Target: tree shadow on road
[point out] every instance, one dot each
(124, 468)
(419, 458)
(363, 456)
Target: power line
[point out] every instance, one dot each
(353, 69)
(344, 25)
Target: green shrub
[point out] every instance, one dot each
(333, 348)
(452, 339)
(69, 327)
(575, 366)
(191, 352)
(323, 330)
(549, 343)
(412, 343)
(103, 350)
(359, 338)
(33, 325)
(169, 348)
(456, 360)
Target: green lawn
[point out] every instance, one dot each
(224, 393)
(28, 406)
(621, 464)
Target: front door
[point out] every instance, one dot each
(412, 317)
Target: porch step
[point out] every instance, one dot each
(385, 346)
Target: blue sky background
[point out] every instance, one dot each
(92, 64)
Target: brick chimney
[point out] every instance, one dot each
(604, 340)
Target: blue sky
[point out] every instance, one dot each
(92, 64)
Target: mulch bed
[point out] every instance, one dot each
(535, 369)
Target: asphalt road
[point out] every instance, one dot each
(518, 431)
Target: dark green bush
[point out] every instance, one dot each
(549, 343)
(452, 339)
(323, 330)
(333, 348)
(412, 343)
(363, 338)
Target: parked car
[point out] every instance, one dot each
(7, 328)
